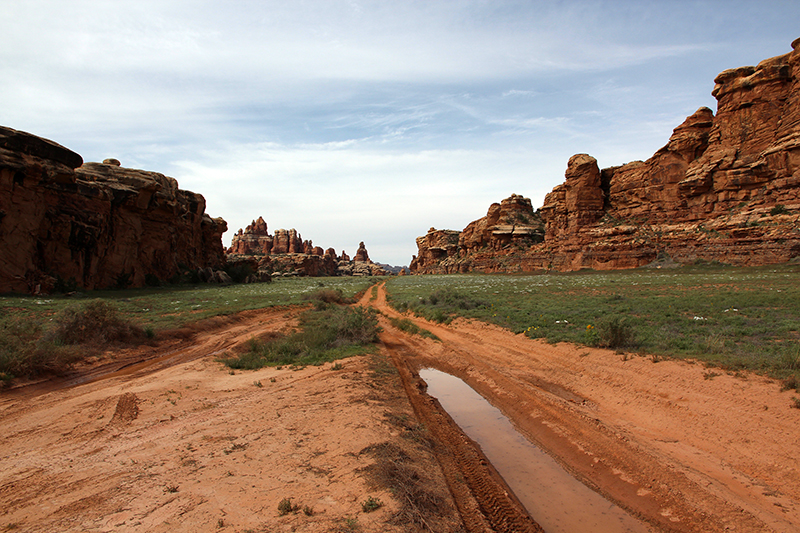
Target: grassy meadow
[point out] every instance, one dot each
(46, 334)
(735, 318)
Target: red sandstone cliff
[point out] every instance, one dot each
(724, 188)
(288, 254)
(95, 223)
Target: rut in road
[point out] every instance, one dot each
(567, 399)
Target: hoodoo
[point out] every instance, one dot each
(286, 253)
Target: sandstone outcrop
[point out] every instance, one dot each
(725, 188)
(286, 254)
(94, 224)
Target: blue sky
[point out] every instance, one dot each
(370, 120)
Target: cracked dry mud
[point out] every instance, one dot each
(165, 438)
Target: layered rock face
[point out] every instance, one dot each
(724, 188)
(98, 224)
(286, 253)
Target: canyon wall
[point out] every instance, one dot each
(94, 225)
(724, 188)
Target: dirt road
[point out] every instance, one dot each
(165, 438)
(671, 442)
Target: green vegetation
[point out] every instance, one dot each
(735, 318)
(371, 504)
(442, 304)
(46, 335)
(328, 333)
(29, 347)
(408, 326)
(779, 209)
(287, 507)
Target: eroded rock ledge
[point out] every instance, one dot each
(286, 253)
(94, 225)
(725, 188)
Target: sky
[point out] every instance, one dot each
(373, 121)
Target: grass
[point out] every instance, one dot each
(328, 333)
(404, 324)
(29, 347)
(47, 335)
(735, 318)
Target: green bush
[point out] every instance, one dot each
(239, 272)
(371, 504)
(323, 298)
(614, 332)
(404, 324)
(95, 321)
(327, 334)
(779, 209)
(123, 280)
(23, 352)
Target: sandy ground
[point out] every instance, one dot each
(165, 438)
(181, 443)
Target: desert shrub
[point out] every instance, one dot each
(65, 286)
(779, 209)
(792, 382)
(404, 324)
(371, 504)
(95, 321)
(185, 276)
(614, 332)
(27, 348)
(239, 272)
(287, 507)
(23, 352)
(322, 298)
(123, 280)
(327, 334)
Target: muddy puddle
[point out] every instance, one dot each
(555, 499)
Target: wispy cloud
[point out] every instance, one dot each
(363, 120)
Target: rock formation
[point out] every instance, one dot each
(287, 254)
(96, 224)
(725, 188)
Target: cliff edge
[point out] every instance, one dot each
(725, 188)
(94, 225)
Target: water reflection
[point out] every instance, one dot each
(555, 499)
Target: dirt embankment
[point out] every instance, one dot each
(165, 438)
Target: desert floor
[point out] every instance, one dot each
(166, 438)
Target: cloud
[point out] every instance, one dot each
(369, 120)
(342, 193)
